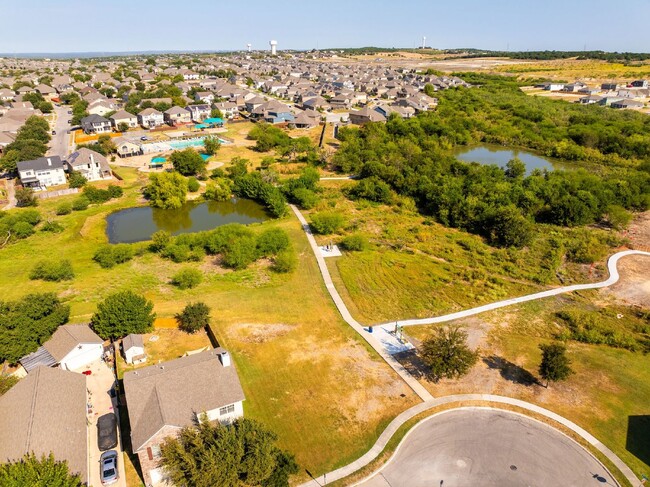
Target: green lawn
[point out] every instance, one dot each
(306, 374)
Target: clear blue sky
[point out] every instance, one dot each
(129, 25)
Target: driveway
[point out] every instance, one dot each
(485, 447)
(60, 143)
(99, 384)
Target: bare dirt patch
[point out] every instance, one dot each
(259, 332)
(639, 232)
(633, 288)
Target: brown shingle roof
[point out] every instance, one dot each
(67, 337)
(46, 412)
(172, 393)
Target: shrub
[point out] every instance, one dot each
(166, 190)
(177, 253)
(327, 222)
(160, 240)
(194, 317)
(54, 227)
(193, 185)
(77, 180)
(239, 253)
(285, 261)
(22, 229)
(354, 243)
(33, 217)
(218, 190)
(187, 162)
(187, 278)
(25, 197)
(96, 195)
(80, 203)
(52, 271)
(305, 198)
(108, 256)
(272, 241)
(64, 208)
(114, 191)
(123, 313)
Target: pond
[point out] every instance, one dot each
(138, 224)
(499, 155)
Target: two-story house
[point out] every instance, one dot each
(42, 172)
(96, 124)
(199, 112)
(166, 397)
(92, 165)
(122, 116)
(150, 118)
(177, 115)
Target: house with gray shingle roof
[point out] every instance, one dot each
(42, 172)
(164, 398)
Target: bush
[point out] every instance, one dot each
(218, 190)
(187, 162)
(177, 253)
(194, 317)
(193, 185)
(114, 191)
(96, 195)
(108, 256)
(327, 222)
(160, 240)
(239, 253)
(166, 190)
(64, 208)
(52, 271)
(25, 197)
(77, 180)
(54, 227)
(187, 278)
(305, 198)
(22, 229)
(354, 243)
(33, 217)
(272, 241)
(285, 261)
(80, 203)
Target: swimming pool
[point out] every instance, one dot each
(198, 142)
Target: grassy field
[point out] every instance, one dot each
(305, 373)
(572, 69)
(416, 268)
(609, 387)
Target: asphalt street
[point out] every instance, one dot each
(59, 143)
(484, 447)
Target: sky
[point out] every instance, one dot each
(140, 25)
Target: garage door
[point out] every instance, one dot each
(80, 358)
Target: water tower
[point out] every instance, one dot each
(424, 42)
(249, 46)
(274, 45)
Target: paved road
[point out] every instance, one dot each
(613, 278)
(60, 143)
(487, 447)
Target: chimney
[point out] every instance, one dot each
(49, 161)
(225, 359)
(92, 159)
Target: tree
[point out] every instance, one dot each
(429, 89)
(515, 168)
(123, 313)
(216, 113)
(160, 240)
(240, 453)
(194, 317)
(166, 190)
(31, 471)
(123, 126)
(446, 353)
(219, 189)
(77, 180)
(28, 322)
(555, 365)
(25, 197)
(188, 162)
(211, 145)
(326, 222)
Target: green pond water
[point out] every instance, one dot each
(139, 223)
(499, 155)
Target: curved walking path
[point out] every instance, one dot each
(613, 278)
(345, 314)
(392, 428)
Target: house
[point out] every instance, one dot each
(92, 165)
(71, 347)
(101, 107)
(624, 104)
(46, 412)
(199, 113)
(150, 118)
(228, 109)
(365, 115)
(307, 119)
(42, 172)
(204, 96)
(122, 116)
(341, 101)
(387, 110)
(164, 398)
(6, 94)
(96, 124)
(126, 147)
(609, 86)
(177, 115)
(591, 99)
(133, 349)
(45, 90)
(640, 83)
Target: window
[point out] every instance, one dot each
(227, 410)
(155, 451)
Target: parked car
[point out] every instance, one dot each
(107, 432)
(108, 467)
(53, 132)
(144, 137)
(69, 112)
